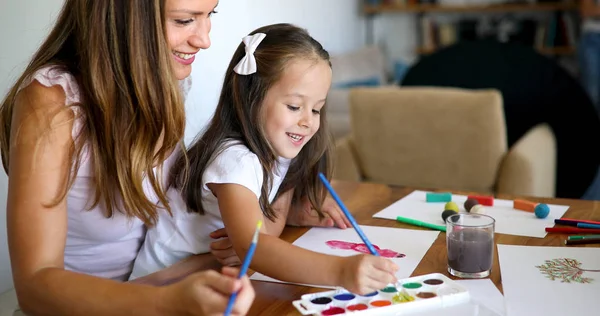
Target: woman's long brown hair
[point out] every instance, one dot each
(239, 117)
(131, 107)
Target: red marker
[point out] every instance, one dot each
(572, 230)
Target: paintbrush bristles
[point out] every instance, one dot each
(257, 232)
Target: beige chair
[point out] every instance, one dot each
(442, 138)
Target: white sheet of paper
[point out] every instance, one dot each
(467, 309)
(508, 220)
(528, 291)
(412, 243)
(485, 293)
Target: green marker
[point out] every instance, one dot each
(579, 237)
(420, 223)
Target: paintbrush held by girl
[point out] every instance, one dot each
(267, 140)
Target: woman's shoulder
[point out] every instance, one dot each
(52, 76)
(38, 106)
(52, 94)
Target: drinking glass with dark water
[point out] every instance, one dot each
(470, 244)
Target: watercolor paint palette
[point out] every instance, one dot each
(413, 294)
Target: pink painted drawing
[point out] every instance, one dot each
(565, 270)
(358, 247)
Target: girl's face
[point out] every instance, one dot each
(188, 27)
(292, 106)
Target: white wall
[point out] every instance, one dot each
(337, 24)
(24, 23)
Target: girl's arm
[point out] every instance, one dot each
(282, 208)
(180, 270)
(281, 260)
(303, 215)
(39, 166)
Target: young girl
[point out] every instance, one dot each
(268, 136)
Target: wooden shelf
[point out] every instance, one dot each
(424, 8)
(554, 51)
(566, 50)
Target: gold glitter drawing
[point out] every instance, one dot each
(565, 270)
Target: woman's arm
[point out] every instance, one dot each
(39, 164)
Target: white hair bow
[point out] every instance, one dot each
(247, 65)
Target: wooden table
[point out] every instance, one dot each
(366, 199)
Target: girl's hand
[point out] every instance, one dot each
(222, 249)
(362, 274)
(207, 293)
(305, 215)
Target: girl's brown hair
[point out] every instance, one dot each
(132, 111)
(239, 117)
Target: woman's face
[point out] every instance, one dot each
(188, 27)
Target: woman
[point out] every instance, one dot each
(89, 129)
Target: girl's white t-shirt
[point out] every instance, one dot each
(185, 233)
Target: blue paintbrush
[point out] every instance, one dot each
(245, 266)
(348, 215)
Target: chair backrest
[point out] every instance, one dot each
(535, 89)
(429, 137)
